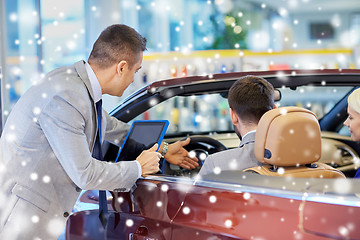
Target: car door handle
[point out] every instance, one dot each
(141, 234)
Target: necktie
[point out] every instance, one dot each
(97, 153)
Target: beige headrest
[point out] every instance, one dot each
(288, 136)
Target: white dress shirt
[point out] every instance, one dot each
(95, 85)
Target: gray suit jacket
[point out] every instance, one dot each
(233, 159)
(46, 145)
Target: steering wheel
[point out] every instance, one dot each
(201, 147)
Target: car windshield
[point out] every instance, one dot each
(318, 99)
(210, 112)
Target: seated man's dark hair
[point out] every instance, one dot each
(250, 97)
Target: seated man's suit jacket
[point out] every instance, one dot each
(233, 159)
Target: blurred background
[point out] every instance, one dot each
(185, 37)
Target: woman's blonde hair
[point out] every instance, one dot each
(354, 100)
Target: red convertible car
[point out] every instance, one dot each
(176, 204)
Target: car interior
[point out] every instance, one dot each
(337, 151)
(192, 113)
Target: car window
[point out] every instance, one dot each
(344, 130)
(318, 99)
(198, 113)
(210, 112)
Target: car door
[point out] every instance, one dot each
(332, 214)
(229, 211)
(154, 205)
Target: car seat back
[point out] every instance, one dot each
(288, 142)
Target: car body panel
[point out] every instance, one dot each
(180, 208)
(330, 220)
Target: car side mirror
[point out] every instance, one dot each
(277, 95)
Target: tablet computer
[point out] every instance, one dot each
(143, 134)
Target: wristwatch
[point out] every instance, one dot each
(165, 148)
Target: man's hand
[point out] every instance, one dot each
(178, 155)
(149, 161)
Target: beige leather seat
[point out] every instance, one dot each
(288, 142)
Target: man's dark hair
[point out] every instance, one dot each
(250, 97)
(116, 43)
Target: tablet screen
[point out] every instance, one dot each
(141, 136)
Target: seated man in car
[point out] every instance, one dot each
(249, 98)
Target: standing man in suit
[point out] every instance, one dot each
(47, 143)
(249, 98)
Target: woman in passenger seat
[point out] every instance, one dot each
(353, 120)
